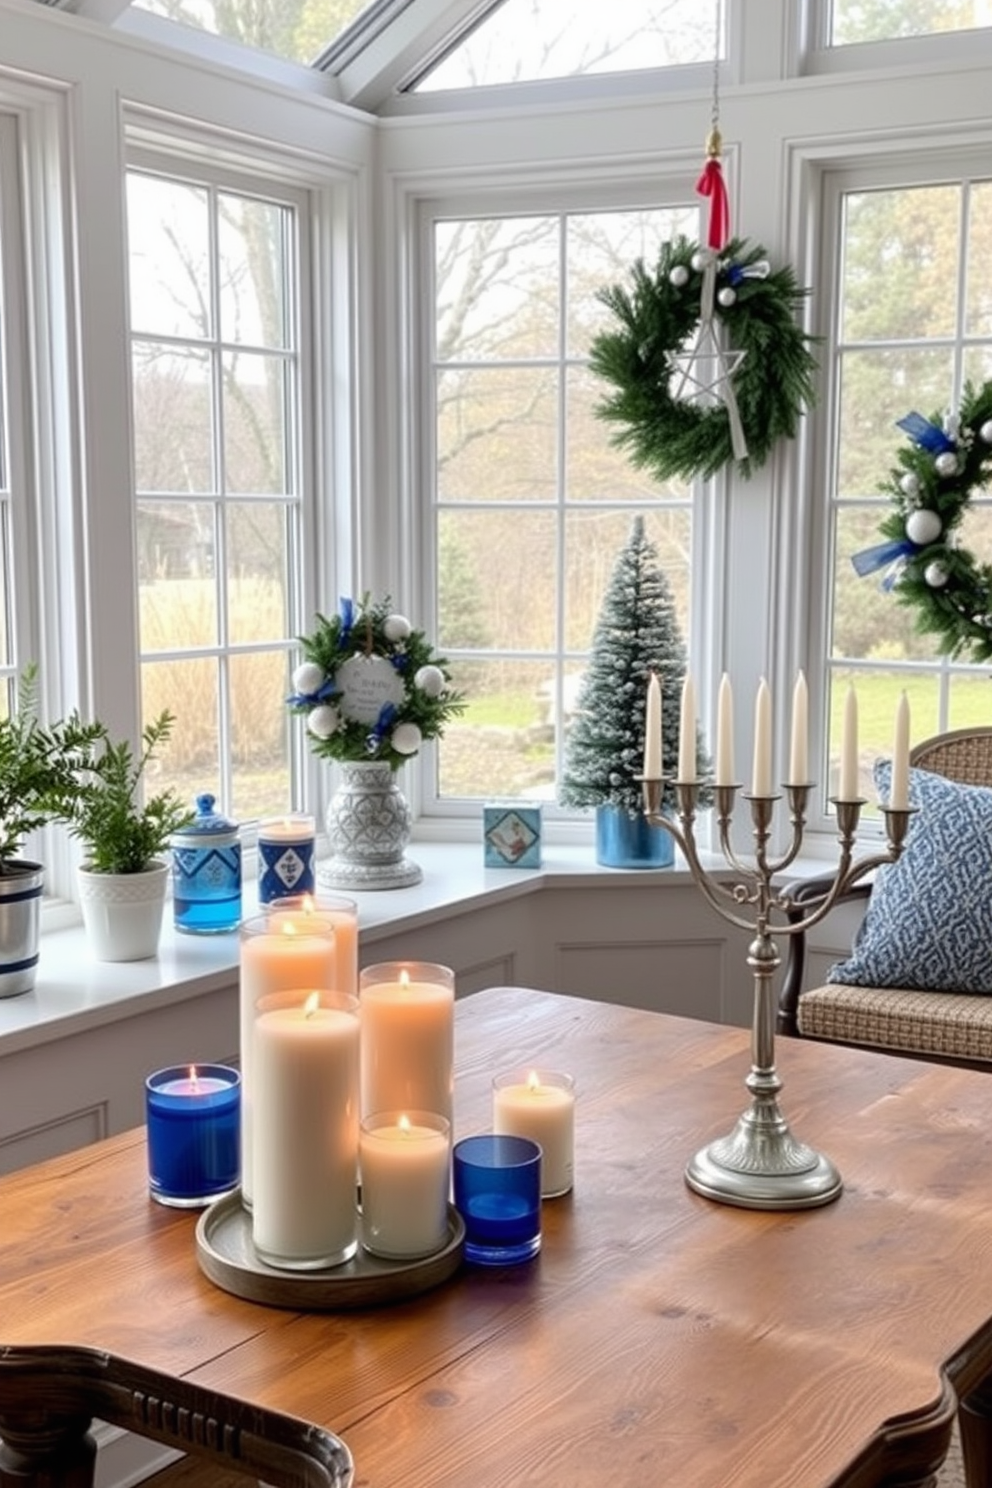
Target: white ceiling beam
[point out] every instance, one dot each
(369, 78)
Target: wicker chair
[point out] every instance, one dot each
(947, 1027)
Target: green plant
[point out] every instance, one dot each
(37, 768)
(119, 833)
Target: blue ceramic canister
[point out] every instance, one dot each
(206, 873)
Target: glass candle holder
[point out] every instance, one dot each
(193, 1119)
(283, 950)
(405, 1161)
(497, 1187)
(305, 1128)
(285, 857)
(342, 916)
(540, 1104)
(408, 1037)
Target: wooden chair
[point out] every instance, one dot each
(948, 1027)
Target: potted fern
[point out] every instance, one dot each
(37, 775)
(123, 876)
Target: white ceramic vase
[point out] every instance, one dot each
(122, 912)
(368, 826)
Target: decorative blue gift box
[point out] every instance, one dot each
(512, 836)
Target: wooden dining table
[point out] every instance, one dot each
(658, 1337)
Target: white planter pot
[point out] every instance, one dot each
(122, 912)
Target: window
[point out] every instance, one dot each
(285, 28)
(522, 40)
(532, 503)
(856, 21)
(913, 325)
(219, 380)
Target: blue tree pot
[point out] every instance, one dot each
(624, 841)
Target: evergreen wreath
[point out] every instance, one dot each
(658, 313)
(931, 485)
(371, 687)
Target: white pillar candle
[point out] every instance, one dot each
(687, 731)
(408, 1037)
(725, 733)
(540, 1104)
(280, 952)
(761, 777)
(305, 1127)
(405, 1164)
(317, 912)
(652, 730)
(799, 747)
(848, 786)
(899, 788)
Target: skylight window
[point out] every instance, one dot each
(525, 40)
(297, 30)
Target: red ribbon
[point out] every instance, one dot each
(712, 184)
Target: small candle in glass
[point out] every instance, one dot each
(193, 1116)
(540, 1104)
(405, 1161)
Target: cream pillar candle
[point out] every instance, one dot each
(405, 1160)
(342, 916)
(687, 731)
(540, 1104)
(761, 777)
(725, 733)
(899, 787)
(281, 951)
(305, 1129)
(848, 786)
(799, 745)
(652, 730)
(407, 1014)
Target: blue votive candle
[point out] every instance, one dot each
(497, 1188)
(193, 1114)
(285, 858)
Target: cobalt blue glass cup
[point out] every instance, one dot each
(497, 1187)
(193, 1115)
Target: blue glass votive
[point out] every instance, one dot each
(497, 1186)
(193, 1114)
(285, 858)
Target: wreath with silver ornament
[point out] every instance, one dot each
(947, 461)
(371, 686)
(707, 360)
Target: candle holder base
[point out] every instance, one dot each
(762, 1166)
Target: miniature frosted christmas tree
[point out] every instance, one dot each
(637, 633)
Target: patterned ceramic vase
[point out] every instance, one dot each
(368, 827)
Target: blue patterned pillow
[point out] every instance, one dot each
(928, 925)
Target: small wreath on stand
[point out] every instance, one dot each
(678, 404)
(371, 687)
(931, 485)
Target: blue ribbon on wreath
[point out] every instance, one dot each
(737, 273)
(400, 660)
(327, 689)
(381, 727)
(927, 435)
(346, 610)
(894, 552)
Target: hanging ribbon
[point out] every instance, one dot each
(710, 331)
(737, 273)
(381, 727)
(711, 184)
(894, 552)
(927, 435)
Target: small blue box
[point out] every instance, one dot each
(512, 836)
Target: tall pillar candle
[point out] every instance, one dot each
(540, 1104)
(342, 916)
(285, 857)
(305, 1129)
(280, 952)
(408, 1037)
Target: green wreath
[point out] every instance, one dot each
(931, 485)
(657, 315)
(371, 687)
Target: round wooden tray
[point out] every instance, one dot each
(227, 1256)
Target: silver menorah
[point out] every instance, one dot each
(760, 1164)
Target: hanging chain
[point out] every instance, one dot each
(714, 141)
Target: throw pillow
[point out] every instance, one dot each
(928, 925)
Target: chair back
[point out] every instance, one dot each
(964, 755)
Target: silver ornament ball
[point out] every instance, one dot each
(700, 259)
(430, 680)
(727, 297)
(909, 484)
(678, 276)
(946, 463)
(923, 527)
(396, 627)
(985, 432)
(406, 738)
(936, 575)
